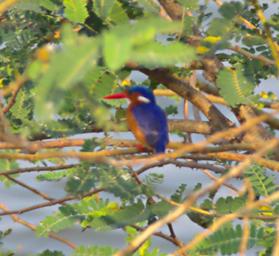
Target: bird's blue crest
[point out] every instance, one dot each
(144, 91)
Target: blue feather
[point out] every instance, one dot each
(152, 121)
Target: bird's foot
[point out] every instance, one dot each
(141, 148)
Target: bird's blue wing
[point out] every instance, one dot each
(152, 121)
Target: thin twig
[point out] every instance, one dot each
(38, 169)
(13, 97)
(34, 190)
(51, 203)
(189, 164)
(162, 235)
(251, 56)
(33, 227)
(211, 176)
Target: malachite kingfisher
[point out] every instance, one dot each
(145, 118)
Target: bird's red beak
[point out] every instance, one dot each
(121, 95)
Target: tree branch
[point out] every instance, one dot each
(251, 56)
(38, 169)
(50, 203)
(33, 227)
(173, 9)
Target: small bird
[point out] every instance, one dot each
(145, 118)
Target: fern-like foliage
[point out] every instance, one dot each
(227, 240)
(118, 182)
(234, 86)
(50, 253)
(94, 250)
(55, 223)
(263, 185)
(229, 204)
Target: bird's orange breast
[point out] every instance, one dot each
(134, 127)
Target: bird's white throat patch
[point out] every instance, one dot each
(143, 99)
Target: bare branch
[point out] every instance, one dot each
(38, 169)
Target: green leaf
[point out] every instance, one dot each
(154, 178)
(94, 250)
(161, 208)
(31, 5)
(188, 24)
(171, 110)
(119, 182)
(55, 223)
(234, 87)
(230, 10)
(116, 50)
(117, 14)
(81, 181)
(263, 185)
(149, 6)
(51, 253)
(21, 109)
(67, 67)
(229, 204)
(35, 5)
(155, 54)
(54, 176)
(75, 10)
(227, 240)
(253, 40)
(179, 194)
(49, 4)
(219, 27)
(145, 30)
(189, 5)
(118, 43)
(103, 8)
(126, 216)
